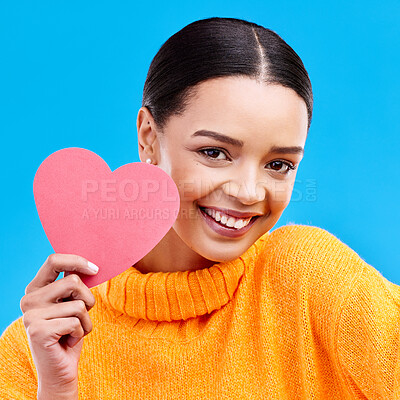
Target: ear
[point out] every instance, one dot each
(147, 136)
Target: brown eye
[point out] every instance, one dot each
(277, 166)
(213, 153)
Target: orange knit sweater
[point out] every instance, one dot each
(298, 316)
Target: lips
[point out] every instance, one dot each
(223, 229)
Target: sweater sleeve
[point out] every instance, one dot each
(18, 378)
(368, 337)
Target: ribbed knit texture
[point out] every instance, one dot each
(298, 316)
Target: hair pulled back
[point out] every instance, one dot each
(218, 47)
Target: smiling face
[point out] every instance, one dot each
(226, 152)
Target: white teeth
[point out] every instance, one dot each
(239, 224)
(231, 221)
(228, 221)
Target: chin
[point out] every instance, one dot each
(224, 255)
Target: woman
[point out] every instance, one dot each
(221, 308)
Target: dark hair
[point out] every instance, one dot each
(217, 47)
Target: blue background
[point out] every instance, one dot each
(72, 74)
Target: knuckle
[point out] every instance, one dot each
(91, 300)
(29, 287)
(89, 327)
(52, 259)
(81, 306)
(26, 319)
(26, 303)
(76, 323)
(33, 331)
(23, 304)
(73, 280)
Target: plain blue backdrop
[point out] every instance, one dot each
(72, 74)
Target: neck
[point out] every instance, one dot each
(171, 254)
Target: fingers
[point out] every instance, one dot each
(55, 264)
(68, 309)
(38, 331)
(70, 287)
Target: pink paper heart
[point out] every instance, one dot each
(113, 219)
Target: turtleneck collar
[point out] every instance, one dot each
(180, 295)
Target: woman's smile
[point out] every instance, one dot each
(226, 225)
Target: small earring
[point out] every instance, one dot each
(148, 160)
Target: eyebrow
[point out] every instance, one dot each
(238, 143)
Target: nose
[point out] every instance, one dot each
(248, 187)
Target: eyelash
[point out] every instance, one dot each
(290, 166)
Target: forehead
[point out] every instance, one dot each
(243, 107)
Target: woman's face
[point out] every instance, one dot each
(226, 152)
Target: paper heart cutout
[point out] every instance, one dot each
(112, 218)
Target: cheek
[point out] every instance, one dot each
(192, 185)
(279, 195)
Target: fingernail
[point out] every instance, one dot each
(94, 268)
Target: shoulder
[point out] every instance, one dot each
(307, 270)
(305, 237)
(306, 244)
(308, 258)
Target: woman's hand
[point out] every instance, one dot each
(55, 327)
